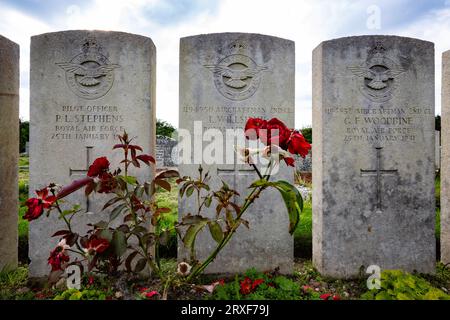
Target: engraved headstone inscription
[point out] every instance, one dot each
(86, 88)
(166, 152)
(225, 79)
(9, 151)
(373, 155)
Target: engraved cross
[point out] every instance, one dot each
(378, 173)
(83, 172)
(235, 171)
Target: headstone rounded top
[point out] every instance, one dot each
(344, 41)
(74, 33)
(9, 55)
(222, 35)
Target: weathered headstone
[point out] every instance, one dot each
(9, 151)
(166, 152)
(445, 160)
(373, 155)
(261, 84)
(86, 88)
(437, 149)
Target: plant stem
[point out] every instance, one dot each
(249, 200)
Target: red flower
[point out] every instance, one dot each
(336, 297)
(100, 166)
(37, 205)
(297, 144)
(325, 296)
(253, 127)
(57, 258)
(96, 245)
(256, 283)
(246, 285)
(107, 183)
(276, 133)
(150, 294)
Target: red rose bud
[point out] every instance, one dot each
(74, 186)
(289, 161)
(100, 165)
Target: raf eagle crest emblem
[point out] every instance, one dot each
(89, 74)
(378, 74)
(237, 76)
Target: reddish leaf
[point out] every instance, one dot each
(60, 233)
(163, 184)
(146, 159)
(167, 174)
(117, 146)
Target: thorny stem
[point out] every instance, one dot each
(248, 201)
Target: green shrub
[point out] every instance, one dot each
(272, 288)
(85, 294)
(399, 285)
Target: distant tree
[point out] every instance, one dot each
(437, 123)
(164, 128)
(24, 134)
(307, 133)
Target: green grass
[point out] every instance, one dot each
(13, 283)
(165, 199)
(303, 233)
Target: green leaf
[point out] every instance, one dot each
(216, 231)
(192, 231)
(293, 201)
(111, 202)
(189, 191)
(129, 179)
(119, 243)
(116, 211)
(140, 265)
(106, 234)
(260, 183)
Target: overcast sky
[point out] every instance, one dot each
(307, 22)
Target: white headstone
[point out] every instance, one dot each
(86, 88)
(9, 151)
(373, 155)
(209, 99)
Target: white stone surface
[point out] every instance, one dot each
(9, 151)
(373, 108)
(86, 87)
(207, 95)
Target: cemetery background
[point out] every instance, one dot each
(14, 285)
